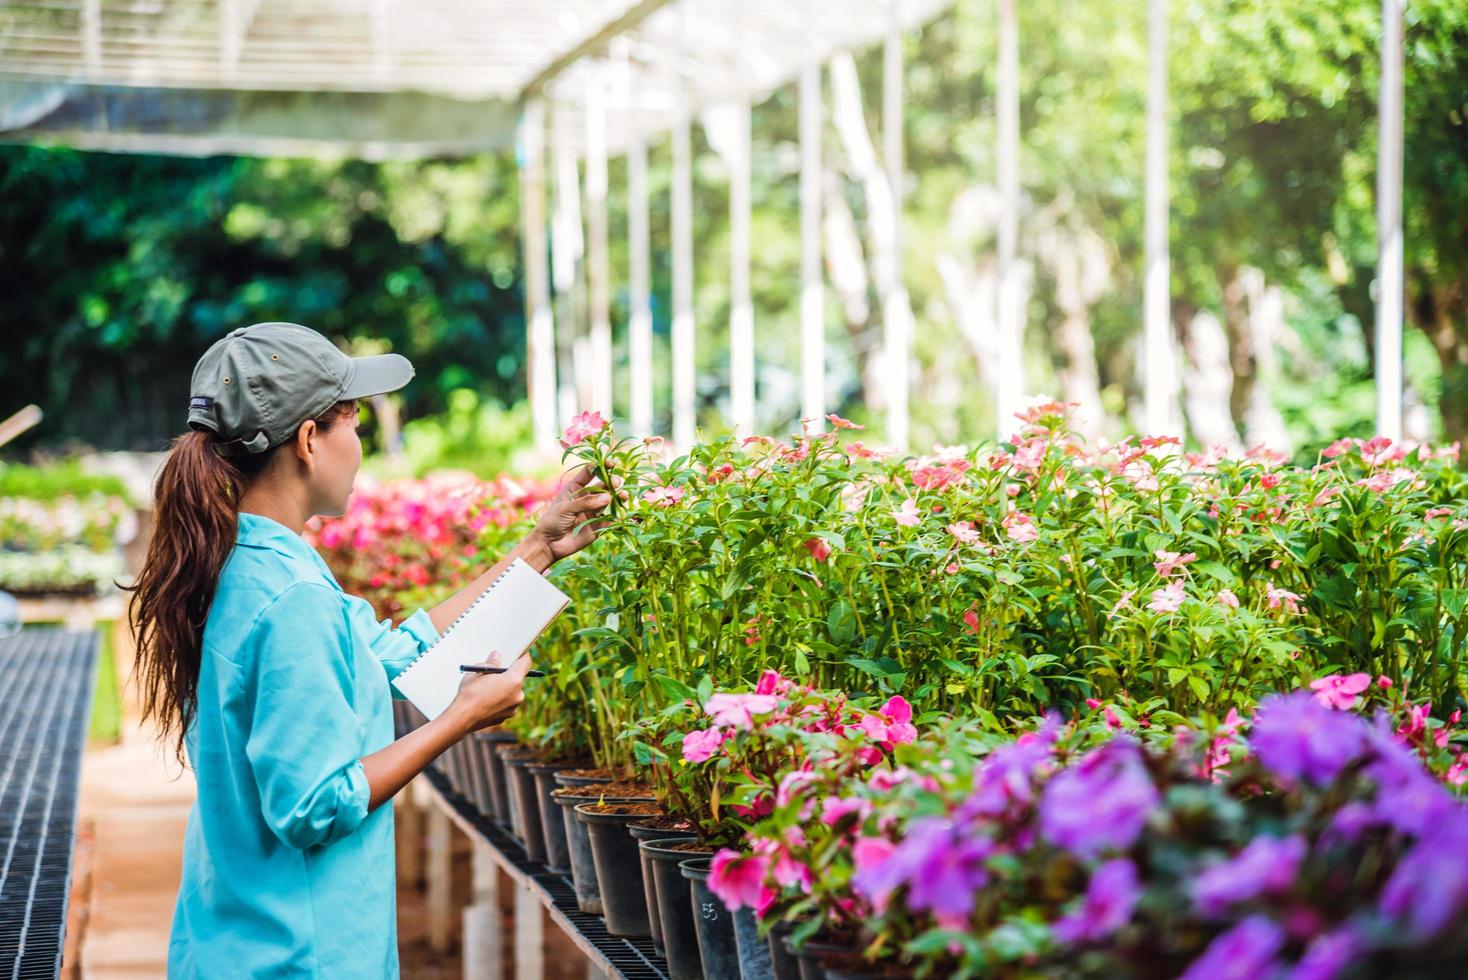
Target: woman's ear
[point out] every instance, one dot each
(305, 450)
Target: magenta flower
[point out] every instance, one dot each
(738, 710)
(1245, 952)
(699, 746)
(770, 682)
(1101, 803)
(1295, 737)
(1110, 898)
(738, 880)
(1327, 955)
(942, 867)
(1340, 690)
(1267, 866)
(583, 427)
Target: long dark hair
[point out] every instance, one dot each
(196, 513)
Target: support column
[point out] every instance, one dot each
(597, 274)
(529, 935)
(640, 324)
(1390, 284)
(484, 941)
(684, 371)
(566, 250)
(440, 878)
(1161, 356)
(1010, 318)
(896, 316)
(812, 277)
(741, 306)
(540, 360)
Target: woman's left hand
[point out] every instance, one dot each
(569, 524)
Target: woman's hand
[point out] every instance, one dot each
(569, 524)
(485, 700)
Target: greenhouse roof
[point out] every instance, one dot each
(385, 77)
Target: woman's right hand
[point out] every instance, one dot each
(485, 700)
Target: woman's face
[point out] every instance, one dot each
(338, 455)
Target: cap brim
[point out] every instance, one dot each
(377, 375)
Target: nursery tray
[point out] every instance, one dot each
(631, 959)
(46, 681)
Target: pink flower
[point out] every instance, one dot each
(971, 619)
(1020, 527)
(1170, 561)
(1282, 598)
(664, 496)
(770, 682)
(1458, 771)
(834, 808)
(738, 710)
(1415, 726)
(841, 423)
(699, 745)
(1340, 690)
(1383, 682)
(818, 548)
(907, 514)
(1227, 599)
(898, 715)
(1123, 603)
(1169, 599)
(583, 427)
(1339, 448)
(964, 532)
(737, 880)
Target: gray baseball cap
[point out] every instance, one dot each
(257, 385)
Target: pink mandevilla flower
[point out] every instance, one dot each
(1340, 690)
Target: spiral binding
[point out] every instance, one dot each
(458, 619)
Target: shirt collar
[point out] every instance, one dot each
(259, 531)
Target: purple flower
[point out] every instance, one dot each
(1407, 797)
(1429, 888)
(1267, 866)
(1008, 774)
(1295, 738)
(1245, 952)
(1101, 802)
(1328, 955)
(1110, 898)
(942, 867)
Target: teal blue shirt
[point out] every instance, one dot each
(285, 873)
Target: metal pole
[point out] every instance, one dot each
(1390, 282)
(684, 420)
(1160, 348)
(895, 317)
(741, 306)
(640, 324)
(540, 368)
(597, 274)
(1010, 348)
(812, 280)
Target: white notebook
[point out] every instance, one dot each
(507, 616)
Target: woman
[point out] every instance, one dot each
(276, 682)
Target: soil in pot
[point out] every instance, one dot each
(618, 871)
(675, 907)
(656, 828)
(713, 924)
(526, 803)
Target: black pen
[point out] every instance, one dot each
(477, 669)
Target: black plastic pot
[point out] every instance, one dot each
(510, 818)
(526, 803)
(814, 956)
(675, 907)
(578, 844)
(754, 952)
(785, 965)
(859, 970)
(552, 818)
(618, 873)
(485, 744)
(649, 883)
(566, 777)
(713, 923)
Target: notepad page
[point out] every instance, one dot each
(507, 617)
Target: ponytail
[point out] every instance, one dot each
(196, 522)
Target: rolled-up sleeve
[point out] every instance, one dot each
(304, 732)
(396, 648)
